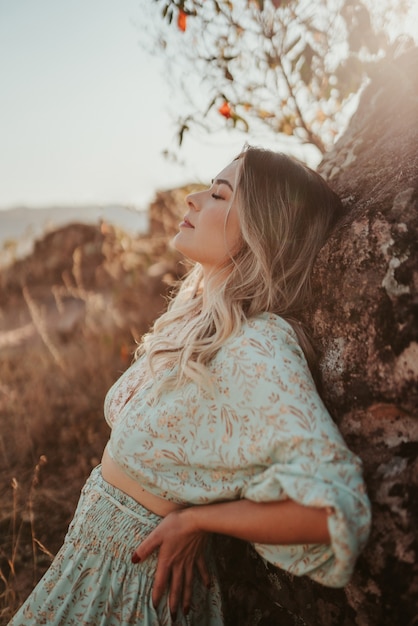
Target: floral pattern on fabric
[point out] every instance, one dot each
(260, 432)
(92, 581)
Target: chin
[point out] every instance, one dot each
(173, 244)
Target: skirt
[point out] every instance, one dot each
(92, 581)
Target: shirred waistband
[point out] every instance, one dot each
(109, 523)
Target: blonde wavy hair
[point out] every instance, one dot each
(286, 212)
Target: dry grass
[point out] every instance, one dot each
(52, 385)
(52, 434)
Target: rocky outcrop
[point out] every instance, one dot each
(366, 322)
(80, 270)
(167, 209)
(52, 257)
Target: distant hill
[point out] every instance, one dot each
(19, 227)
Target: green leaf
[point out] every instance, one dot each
(238, 118)
(211, 104)
(182, 130)
(164, 11)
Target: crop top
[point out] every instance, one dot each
(260, 431)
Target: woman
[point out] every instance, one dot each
(217, 427)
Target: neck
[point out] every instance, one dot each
(212, 281)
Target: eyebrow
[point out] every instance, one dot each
(223, 181)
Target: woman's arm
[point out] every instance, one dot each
(180, 538)
(282, 523)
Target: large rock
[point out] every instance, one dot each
(365, 321)
(167, 210)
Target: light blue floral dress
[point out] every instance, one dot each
(259, 431)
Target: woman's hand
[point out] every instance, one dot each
(181, 535)
(181, 547)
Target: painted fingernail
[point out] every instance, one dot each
(135, 558)
(186, 610)
(173, 616)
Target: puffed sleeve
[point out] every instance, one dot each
(301, 455)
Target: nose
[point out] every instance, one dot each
(192, 201)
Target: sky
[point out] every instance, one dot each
(85, 110)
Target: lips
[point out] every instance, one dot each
(186, 224)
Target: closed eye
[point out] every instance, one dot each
(216, 197)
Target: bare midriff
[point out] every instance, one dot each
(115, 476)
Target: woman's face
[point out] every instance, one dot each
(210, 232)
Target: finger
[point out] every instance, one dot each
(187, 589)
(176, 587)
(203, 570)
(162, 577)
(146, 547)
